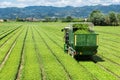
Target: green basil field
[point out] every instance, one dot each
(35, 51)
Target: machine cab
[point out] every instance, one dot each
(66, 37)
(66, 34)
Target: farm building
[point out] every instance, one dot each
(1, 20)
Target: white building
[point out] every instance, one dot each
(1, 20)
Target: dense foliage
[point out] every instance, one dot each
(98, 18)
(81, 26)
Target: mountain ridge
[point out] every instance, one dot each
(51, 11)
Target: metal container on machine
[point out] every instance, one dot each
(80, 39)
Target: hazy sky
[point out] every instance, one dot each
(58, 3)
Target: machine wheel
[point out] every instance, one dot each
(95, 51)
(70, 53)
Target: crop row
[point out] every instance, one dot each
(88, 64)
(12, 61)
(8, 32)
(109, 29)
(52, 66)
(109, 33)
(114, 50)
(64, 58)
(35, 52)
(4, 49)
(8, 37)
(29, 61)
(6, 27)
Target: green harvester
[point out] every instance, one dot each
(80, 39)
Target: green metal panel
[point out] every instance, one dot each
(86, 50)
(91, 40)
(85, 39)
(71, 38)
(86, 44)
(65, 47)
(80, 40)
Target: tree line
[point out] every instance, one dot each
(110, 19)
(96, 17)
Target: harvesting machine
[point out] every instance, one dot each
(80, 39)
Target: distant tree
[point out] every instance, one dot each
(97, 18)
(78, 20)
(5, 20)
(19, 20)
(56, 19)
(50, 19)
(47, 19)
(67, 19)
(118, 17)
(113, 18)
(107, 20)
